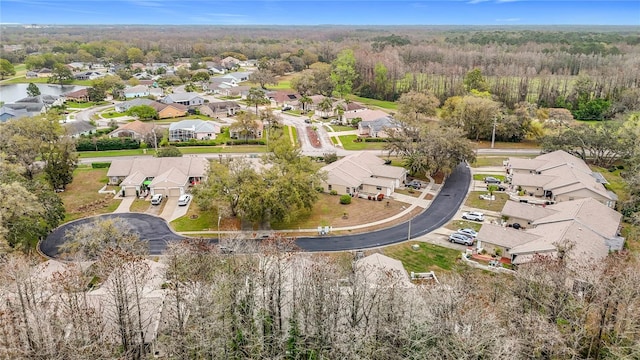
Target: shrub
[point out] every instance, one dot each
(106, 143)
(333, 192)
(376, 140)
(100, 165)
(345, 199)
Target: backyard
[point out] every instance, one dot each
(81, 197)
(428, 257)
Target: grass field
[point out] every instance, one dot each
(616, 183)
(197, 220)
(349, 144)
(81, 197)
(110, 114)
(474, 201)
(488, 161)
(388, 105)
(429, 257)
(342, 128)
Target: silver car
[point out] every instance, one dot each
(461, 239)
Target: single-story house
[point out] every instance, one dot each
(88, 75)
(187, 99)
(219, 108)
(229, 62)
(166, 111)
(376, 128)
(135, 129)
(45, 73)
(126, 105)
(281, 98)
(81, 95)
(30, 106)
(77, 128)
(235, 133)
(363, 172)
(186, 130)
(591, 227)
(7, 113)
(239, 76)
(170, 176)
(379, 269)
(559, 176)
(136, 91)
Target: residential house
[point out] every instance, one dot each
(379, 269)
(229, 62)
(138, 66)
(170, 176)
(126, 105)
(78, 128)
(135, 129)
(236, 133)
(363, 172)
(186, 130)
(136, 91)
(219, 108)
(31, 74)
(7, 113)
(589, 228)
(81, 95)
(31, 106)
(238, 76)
(88, 75)
(45, 73)
(373, 123)
(76, 66)
(166, 111)
(283, 98)
(558, 176)
(186, 99)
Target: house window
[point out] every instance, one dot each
(329, 187)
(348, 190)
(379, 188)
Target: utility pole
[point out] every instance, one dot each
(409, 232)
(493, 133)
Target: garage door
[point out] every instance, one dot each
(161, 191)
(130, 191)
(175, 192)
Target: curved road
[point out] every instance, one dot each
(441, 210)
(156, 231)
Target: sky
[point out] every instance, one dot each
(318, 12)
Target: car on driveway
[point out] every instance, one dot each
(492, 180)
(184, 199)
(415, 184)
(499, 187)
(473, 215)
(468, 232)
(156, 199)
(461, 239)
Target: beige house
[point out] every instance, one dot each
(166, 111)
(170, 176)
(135, 130)
(559, 176)
(363, 172)
(587, 225)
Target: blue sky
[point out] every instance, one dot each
(314, 12)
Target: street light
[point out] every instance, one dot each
(493, 133)
(219, 218)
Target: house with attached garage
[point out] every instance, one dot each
(81, 95)
(170, 176)
(589, 228)
(186, 99)
(136, 91)
(126, 105)
(363, 172)
(195, 129)
(219, 108)
(558, 176)
(373, 123)
(135, 130)
(166, 111)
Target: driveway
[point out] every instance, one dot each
(153, 229)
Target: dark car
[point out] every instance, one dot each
(492, 180)
(499, 187)
(415, 184)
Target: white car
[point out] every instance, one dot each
(184, 199)
(156, 199)
(473, 215)
(469, 232)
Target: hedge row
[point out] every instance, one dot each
(100, 165)
(376, 140)
(107, 143)
(194, 143)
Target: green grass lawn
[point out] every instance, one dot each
(139, 205)
(83, 105)
(349, 144)
(196, 220)
(294, 132)
(342, 128)
(429, 257)
(474, 201)
(480, 177)
(389, 105)
(110, 153)
(616, 183)
(488, 161)
(24, 80)
(112, 114)
(463, 224)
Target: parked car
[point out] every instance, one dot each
(468, 232)
(492, 180)
(460, 239)
(473, 215)
(415, 184)
(495, 263)
(499, 187)
(286, 107)
(156, 199)
(308, 121)
(184, 199)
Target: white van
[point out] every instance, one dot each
(156, 199)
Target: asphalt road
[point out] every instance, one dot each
(151, 228)
(441, 210)
(157, 233)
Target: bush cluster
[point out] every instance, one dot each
(345, 199)
(106, 143)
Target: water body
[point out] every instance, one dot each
(13, 92)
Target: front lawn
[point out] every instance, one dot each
(488, 161)
(463, 224)
(349, 143)
(616, 183)
(480, 177)
(341, 128)
(196, 220)
(474, 201)
(429, 257)
(83, 105)
(81, 197)
(112, 114)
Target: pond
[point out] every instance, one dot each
(13, 92)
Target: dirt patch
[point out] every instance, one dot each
(313, 137)
(81, 197)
